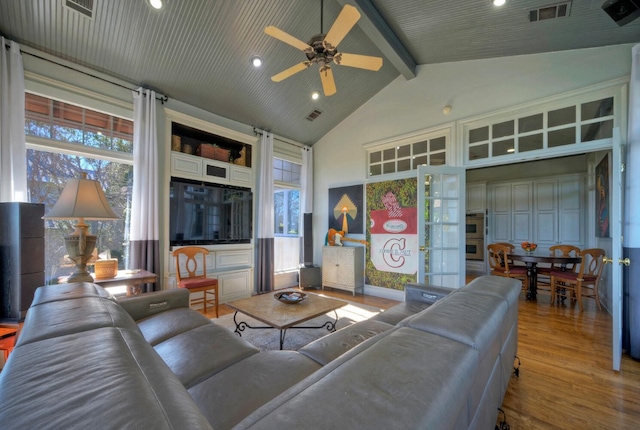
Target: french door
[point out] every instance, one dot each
(441, 225)
(617, 215)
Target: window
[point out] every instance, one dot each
(408, 155)
(92, 142)
(286, 215)
(286, 212)
(573, 123)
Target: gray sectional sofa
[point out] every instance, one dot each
(440, 360)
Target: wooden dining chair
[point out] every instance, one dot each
(190, 277)
(544, 273)
(584, 282)
(500, 265)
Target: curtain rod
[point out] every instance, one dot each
(257, 132)
(162, 98)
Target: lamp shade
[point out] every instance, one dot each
(82, 198)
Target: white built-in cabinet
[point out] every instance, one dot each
(231, 264)
(343, 268)
(547, 211)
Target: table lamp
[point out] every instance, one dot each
(81, 199)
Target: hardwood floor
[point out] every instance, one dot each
(566, 379)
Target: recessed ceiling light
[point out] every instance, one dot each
(256, 61)
(156, 4)
(315, 95)
(499, 2)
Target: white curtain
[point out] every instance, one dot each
(13, 152)
(631, 227)
(144, 248)
(265, 243)
(306, 181)
(306, 204)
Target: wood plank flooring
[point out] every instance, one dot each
(566, 378)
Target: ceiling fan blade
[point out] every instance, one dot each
(328, 83)
(360, 61)
(290, 71)
(345, 22)
(286, 38)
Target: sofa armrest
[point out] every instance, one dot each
(148, 304)
(414, 292)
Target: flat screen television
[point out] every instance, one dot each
(203, 213)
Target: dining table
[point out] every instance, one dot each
(532, 259)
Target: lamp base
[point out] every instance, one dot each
(72, 243)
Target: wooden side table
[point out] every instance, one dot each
(133, 279)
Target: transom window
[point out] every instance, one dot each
(578, 123)
(408, 155)
(64, 122)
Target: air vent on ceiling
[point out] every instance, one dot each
(314, 114)
(85, 7)
(559, 10)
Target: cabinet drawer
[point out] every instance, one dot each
(242, 176)
(238, 258)
(186, 165)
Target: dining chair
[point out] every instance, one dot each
(500, 265)
(583, 283)
(511, 248)
(544, 273)
(190, 277)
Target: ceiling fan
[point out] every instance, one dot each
(322, 49)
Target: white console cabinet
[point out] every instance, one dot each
(343, 268)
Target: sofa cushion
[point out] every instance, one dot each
(58, 318)
(74, 290)
(399, 312)
(160, 327)
(107, 378)
(333, 345)
(197, 354)
(474, 320)
(407, 379)
(225, 401)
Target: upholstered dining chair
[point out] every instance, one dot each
(500, 265)
(584, 282)
(544, 273)
(189, 275)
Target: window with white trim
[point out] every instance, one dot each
(63, 140)
(552, 128)
(286, 215)
(407, 155)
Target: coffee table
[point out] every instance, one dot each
(282, 316)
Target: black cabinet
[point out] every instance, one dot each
(21, 257)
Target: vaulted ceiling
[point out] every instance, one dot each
(199, 51)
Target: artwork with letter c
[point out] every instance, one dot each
(392, 232)
(394, 240)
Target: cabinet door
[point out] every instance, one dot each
(501, 216)
(546, 213)
(476, 198)
(571, 211)
(330, 264)
(186, 166)
(241, 176)
(522, 213)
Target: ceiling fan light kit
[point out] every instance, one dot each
(322, 49)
